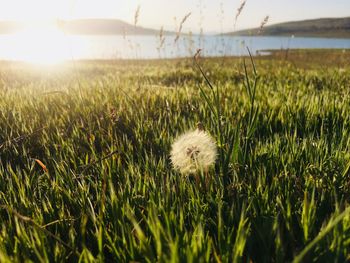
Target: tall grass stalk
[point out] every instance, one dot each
(228, 136)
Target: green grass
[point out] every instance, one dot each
(104, 131)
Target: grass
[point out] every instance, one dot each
(85, 172)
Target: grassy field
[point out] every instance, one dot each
(85, 172)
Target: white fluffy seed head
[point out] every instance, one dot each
(193, 151)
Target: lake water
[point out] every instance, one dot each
(51, 47)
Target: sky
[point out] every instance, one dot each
(211, 15)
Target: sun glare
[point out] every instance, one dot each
(40, 43)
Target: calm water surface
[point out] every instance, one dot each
(14, 47)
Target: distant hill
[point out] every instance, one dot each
(106, 27)
(323, 27)
(89, 27)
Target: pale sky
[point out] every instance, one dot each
(212, 15)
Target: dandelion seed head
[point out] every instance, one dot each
(193, 151)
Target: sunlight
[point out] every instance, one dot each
(40, 44)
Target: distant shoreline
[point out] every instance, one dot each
(318, 28)
(291, 36)
(273, 54)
